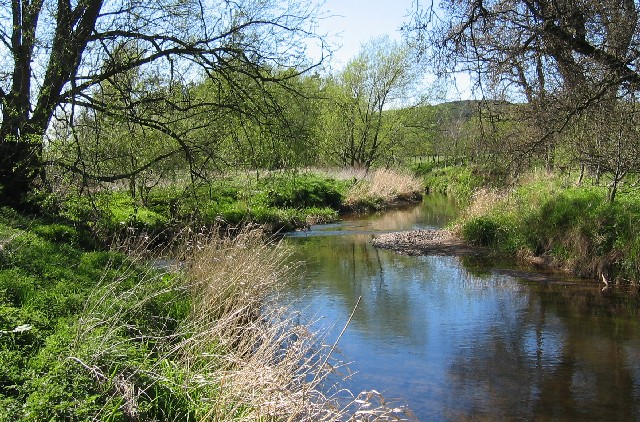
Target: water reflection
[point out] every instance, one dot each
(464, 340)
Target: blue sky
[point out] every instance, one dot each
(349, 23)
(352, 22)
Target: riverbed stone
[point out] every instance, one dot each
(427, 242)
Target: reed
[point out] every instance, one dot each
(260, 362)
(382, 188)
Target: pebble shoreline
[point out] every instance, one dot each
(427, 242)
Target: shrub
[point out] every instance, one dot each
(459, 182)
(482, 231)
(302, 191)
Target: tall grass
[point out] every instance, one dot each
(382, 188)
(260, 362)
(205, 339)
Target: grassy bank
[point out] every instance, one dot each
(89, 334)
(277, 202)
(455, 181)
(546, 219)
(95, 333)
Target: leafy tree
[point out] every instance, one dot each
(378, 78)
(58, 54)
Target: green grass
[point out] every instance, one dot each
(281, 202)
(46, 280)
(92, 334)
(571, 227)
(457, 181)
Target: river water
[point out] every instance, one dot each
(460, 339)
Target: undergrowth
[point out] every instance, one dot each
(459, 182)
(279, 202)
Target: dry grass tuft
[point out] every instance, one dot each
(247, 349)
(483, 201)
(384, 187)
(239, 354)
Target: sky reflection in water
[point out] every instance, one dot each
(460, 340)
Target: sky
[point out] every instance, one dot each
(353, 22)
(350, 23)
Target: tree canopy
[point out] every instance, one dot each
(59, 57)
(536, 48)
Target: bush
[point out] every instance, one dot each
(302, 191)
(482, 231)
(458, 182)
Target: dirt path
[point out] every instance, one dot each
(427, 242)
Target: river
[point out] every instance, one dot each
(461, 339)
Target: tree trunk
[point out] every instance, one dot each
(581, 177)
(613, 190)
(20, 165)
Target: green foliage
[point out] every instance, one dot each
(282, 201)
(119, 210)
(424, 169)
(355, 129)
(302, 191)
(457, 181)
(482, 231)
(574, 227)
(78, 327)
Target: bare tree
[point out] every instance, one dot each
(532, 48)
(564, 58)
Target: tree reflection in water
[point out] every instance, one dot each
(468, 341)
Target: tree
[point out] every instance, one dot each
(533, 48)
(566, 59)
(379, 77)
(277, 130)
(56, 55)
(612, 145)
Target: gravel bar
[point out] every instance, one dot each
(427, 242)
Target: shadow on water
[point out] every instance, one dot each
(469, 339)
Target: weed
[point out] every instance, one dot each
(482, 231)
